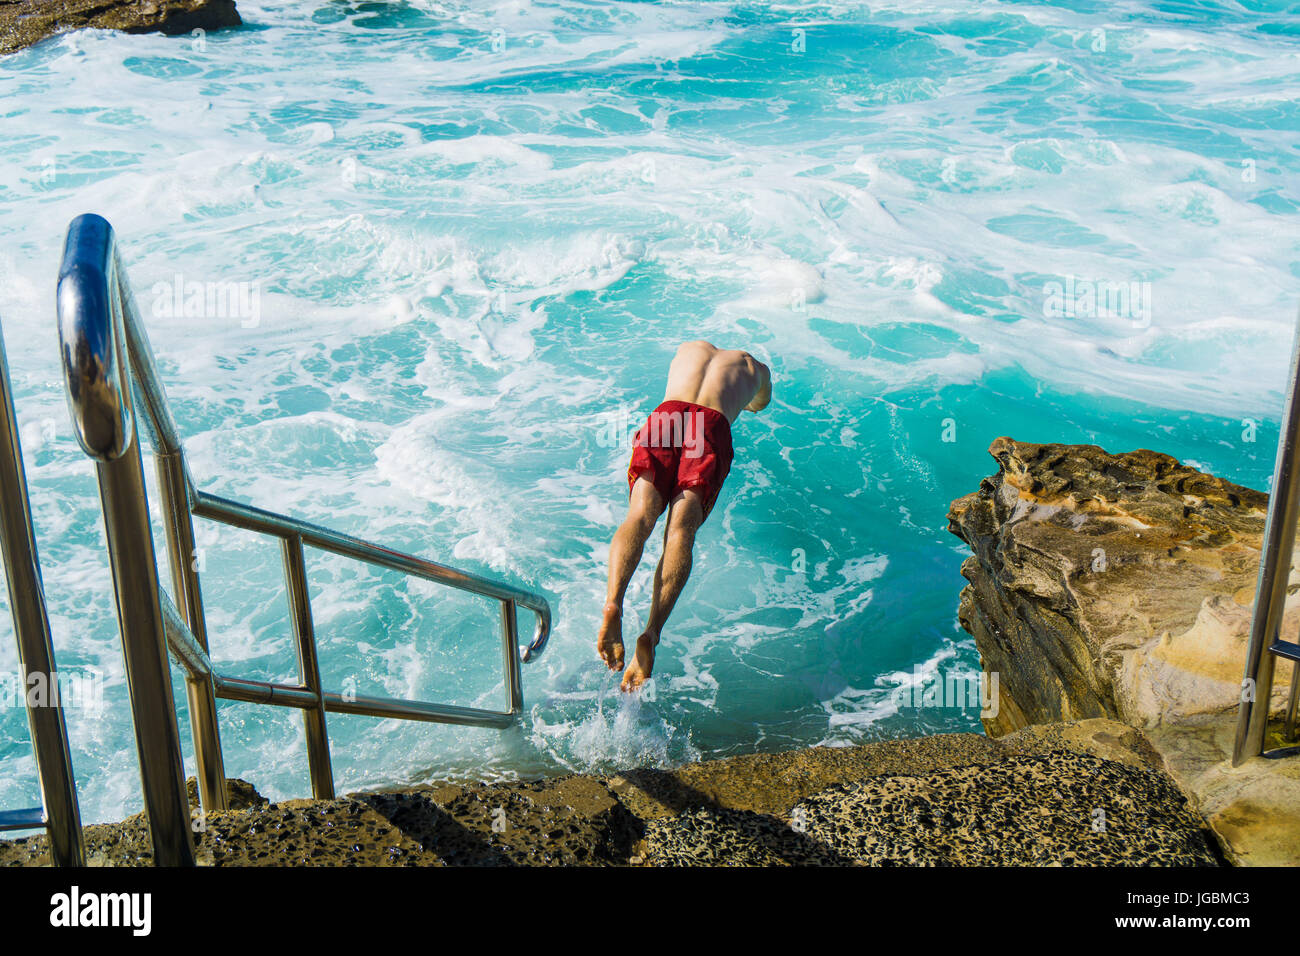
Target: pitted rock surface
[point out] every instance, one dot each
(1059, 808)
(567, 821)
(948, 798)
(722, 837)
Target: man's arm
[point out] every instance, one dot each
(764, 394)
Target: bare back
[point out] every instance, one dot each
(729, 380)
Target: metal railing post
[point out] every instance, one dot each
(1289, 729)
(173, 485)
(1274, 570)
(92, 310)
(148, 676)
(35, 649)
(510, 648)
(318, 745)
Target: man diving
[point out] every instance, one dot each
(680, 458)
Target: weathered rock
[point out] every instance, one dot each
(24, 22)
(772, 783)
(1254, 809)
(1123, 585)
(737, 811)
(721, 837)
(1108, 585)
(1083, 794)
(1055, 809)
(240, 794)
(570, 821)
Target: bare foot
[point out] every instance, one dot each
(643, 662)
(609, 643)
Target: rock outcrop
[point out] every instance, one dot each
(1109, 585)
(24, 22)
(1123, 586)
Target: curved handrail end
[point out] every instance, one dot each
(541, 635)
(91, 344)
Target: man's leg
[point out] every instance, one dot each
(643, 511)
(684, 519)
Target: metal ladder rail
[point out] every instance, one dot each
(60, 814)
(1266, 643)
(294, 535)
(109, 369)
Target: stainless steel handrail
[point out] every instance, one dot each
(109, 370)
(1271, 587)
(61, 815)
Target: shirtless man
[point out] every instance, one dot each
(680, 457)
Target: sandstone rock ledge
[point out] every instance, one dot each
(1079, 794)
(25, 22)
(1122, 586)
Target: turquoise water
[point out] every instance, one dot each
(472, 234)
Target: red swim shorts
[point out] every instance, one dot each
(683, 445)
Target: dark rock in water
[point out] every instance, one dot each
(24, 22)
